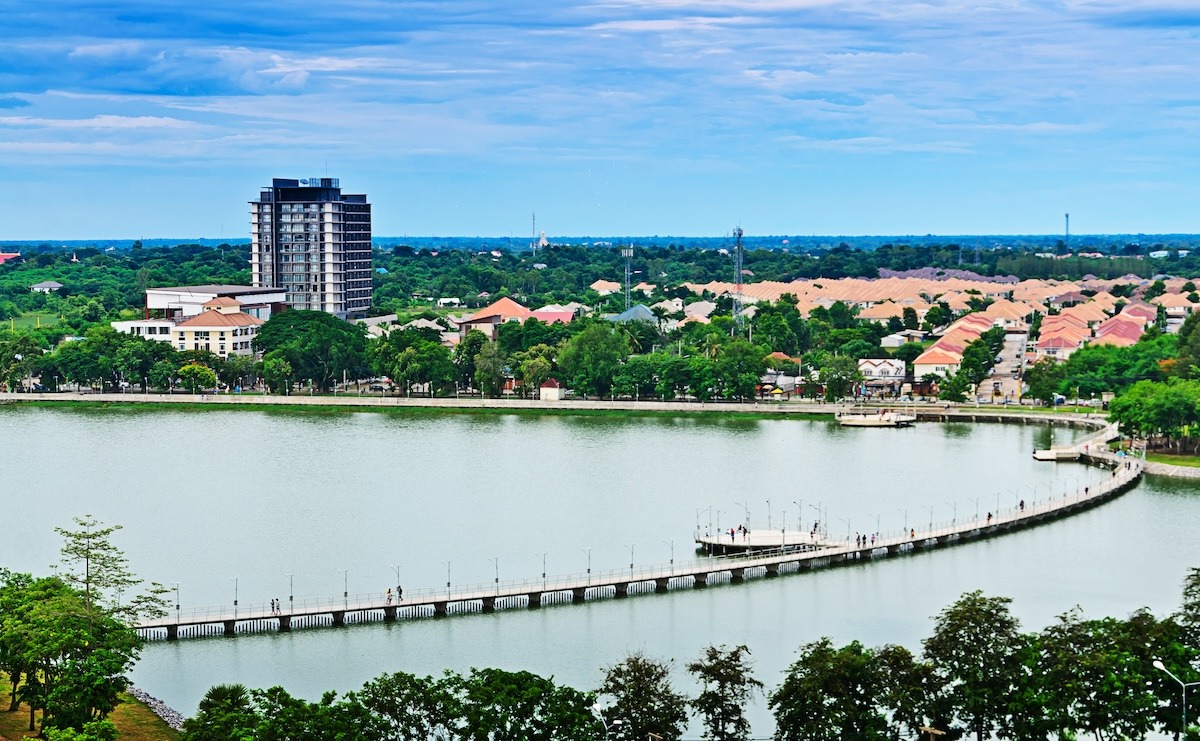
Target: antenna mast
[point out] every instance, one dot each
(737, 269)
(627, 253)
(533, 235)
(1067, 241)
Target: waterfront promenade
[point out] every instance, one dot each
(698, 573)
(930, 411)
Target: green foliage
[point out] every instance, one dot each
(830, 693)
(491, 368)
(727, 685)
(196, 378)
(839, 375)
(974, 647)
(591, 359)
(65, 641)
(318, 346)
(641, 697)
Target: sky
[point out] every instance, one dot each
(123, 119)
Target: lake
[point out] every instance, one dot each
(333, 499)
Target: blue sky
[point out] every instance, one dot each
(126, 119)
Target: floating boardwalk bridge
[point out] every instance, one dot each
(792, 553)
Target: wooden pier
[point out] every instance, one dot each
(767, 561)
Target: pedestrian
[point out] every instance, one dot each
(389, 596)
(399, 593)
(989, 520)
(1022, 505)
(272, 607)
(912, 533)
(278, 606)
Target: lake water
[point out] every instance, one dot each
(333, 499)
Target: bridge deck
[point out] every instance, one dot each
(770, 560)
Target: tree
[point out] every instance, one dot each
(520, 706)
(643, 699)
(464, 356)
(277, 372)
(839, 374)
(739, 369)
(403, 706)
(318, 346)
(974, 647)
(94, 565)
(591, 358)
(225, 712)
(196, 377)
(909, 318)
(491, 368)
(725, 676)
(830, 693)
(1044, 378)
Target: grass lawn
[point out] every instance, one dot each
(30, 320)
(133, 719)
(1191, 461)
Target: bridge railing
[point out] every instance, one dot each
(831, 546)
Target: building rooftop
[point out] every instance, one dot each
(216, 289)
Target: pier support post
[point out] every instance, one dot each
(339, 617)
(622, 589)
(737, 575)
(230, 627)
(285, 623)
(578, 595)
(172, 632)
(661, 585)
(893, 550)
(772, 569)
(389, 614)
(535, 600)
(489, 604)
(440, 608)
(700, 581)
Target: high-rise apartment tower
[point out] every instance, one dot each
(314, 242)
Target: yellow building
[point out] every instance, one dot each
(223, 328)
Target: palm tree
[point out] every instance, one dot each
(227, 697)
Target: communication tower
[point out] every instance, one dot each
(737, 270)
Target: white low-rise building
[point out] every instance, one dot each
(152, 329)
(181, 302)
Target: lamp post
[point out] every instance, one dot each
(345, 588)
(847, 521)
(672, 547)
(799, 515)
(768, 514)
(905, 511)
(447, 579)
(1183, 685)
(596, 711)
(176, 603)
(954, 517)
(543, 555)
(976, 508)
(234, 579)
(291, 594)
(589, 570)
(631, 560)
(496, 563)
(396, 569)
(930, 508)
